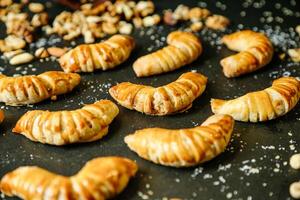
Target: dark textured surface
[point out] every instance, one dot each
(254, 165)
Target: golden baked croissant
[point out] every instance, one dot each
(255, 51)
(183, 147)
(101, 178)
(2, 116)
(263, 105)
(25, 90)
(87, 124)
(183, 48)
(105, 55)
(175, 97)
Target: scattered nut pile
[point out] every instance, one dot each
(103, 19)
(197, 16)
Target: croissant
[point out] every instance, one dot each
(87, 124)
(25, 90)
(105, 55)
(101, 178)
(183, 48)
(175, 97)
(183, 147)
(263, 105)
(2, 116)
(255, 51)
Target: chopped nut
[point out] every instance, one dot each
(196, 26)
(15, 42)
(21, 28)
(125, 28)
(181, 12)
(295, 190)
(56, 51)
(39, 19)
(88, 37)
(48, 30)
(282, 56)
(294, 54)
(109, 28)
(21, 58)
(298, 29)
(5, 3)
(151, 20)
(138, 22)
(217, 22)
(196, 14)
(41, 53)
(36, 7)
(10, 54)
(145, 8)
(169, 18)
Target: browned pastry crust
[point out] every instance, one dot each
(255, 51)
(26, 90)
(263, 105)
(183, 147)
(174, 97)
(183, 48)
(87, 124)
(2, 116)
(105, 55)
(100, 179)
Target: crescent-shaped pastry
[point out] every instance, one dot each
(175, 97)
(104, 55)
(263, 105)
(101, 178)
(183, 48)
(255, 51)
(87, 124)
(183, 147)
(2, 116)
(24, 90)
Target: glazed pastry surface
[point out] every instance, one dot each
(101, 56)
(101, 178)
(183, 147)
(87, 124)
(255, 51)
(263, 105)
(174, 97)
(24, 90)
(183, 48)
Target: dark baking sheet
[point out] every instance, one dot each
(255, 164)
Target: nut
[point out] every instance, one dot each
(196, 26)
(109, 28)
(56, 51)
(181, 13)
(295, 190)
(5, 3)
(169, 18)
(8, 55)
(137, 22)
(36, 7)
(39, 19)
(294, 54)
(41, 53)
(295, 161)
(151, 20)
(125, 28)
(217, 22)
(14, 42)
(21, 58)
(145, 8)
(196, 14)
(88, 37)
